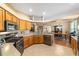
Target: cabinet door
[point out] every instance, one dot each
(75, 47)
(28, 25)
(35, 38)
(30, 40)
(26, 42)
(2, 19)
(40, 39)
(9, 16)
(18, 23)
(72, 43)
(22, 25)
(14, 19)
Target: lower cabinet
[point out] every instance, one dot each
(33, 39)
(26, 42)
(38, 39)
(30, 40)
(74, 45)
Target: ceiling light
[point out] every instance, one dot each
(30, 10)
(44, 13)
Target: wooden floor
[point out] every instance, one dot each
(64, 43)
(61, 42)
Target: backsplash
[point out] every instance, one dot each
(23, 33)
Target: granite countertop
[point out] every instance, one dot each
(9, 50)
(31, 33)
(75, 37)
(24, 34)
(3, 33)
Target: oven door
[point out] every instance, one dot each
(20, 46)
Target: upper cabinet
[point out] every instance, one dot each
(9, 16)
(25, 25)
(28, 25)
(14, 19)
(2, 18)
(22, 25)
(18, 23)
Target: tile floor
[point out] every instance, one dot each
(45, 50)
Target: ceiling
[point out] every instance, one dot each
(52, 10)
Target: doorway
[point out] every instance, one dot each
(58, 32)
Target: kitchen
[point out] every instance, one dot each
(19, 33)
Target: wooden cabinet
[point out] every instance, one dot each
(9, 16)
(74, 45)
(14, 19)
(35, 38)
(30, 40)
(28, 25)
(26, 42)
(2, 18)
(18, 23)
(22, 25)
(38, 39)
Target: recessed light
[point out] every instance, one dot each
(30, 10)
(44, 13)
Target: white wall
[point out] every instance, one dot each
(65, 25)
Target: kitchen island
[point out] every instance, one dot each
(8, 49)
(38, 39)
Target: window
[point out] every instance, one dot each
(73, 27)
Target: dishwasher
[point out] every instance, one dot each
(48, 40)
